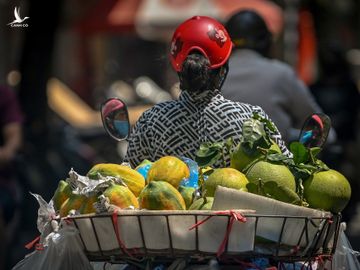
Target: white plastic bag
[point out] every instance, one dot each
(345, 257)
(63, 251)
(59, 247)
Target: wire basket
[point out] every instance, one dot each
(228, 235)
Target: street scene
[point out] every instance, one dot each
(179, 134)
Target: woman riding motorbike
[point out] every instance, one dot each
(200, 49)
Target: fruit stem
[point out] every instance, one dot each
(201, 180)
(223, 156)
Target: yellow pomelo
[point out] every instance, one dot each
(61, 194)
(88, 205)
(169, 169)
(226, 177)
(133, 179)
(266, 171)
(160, 195)
(240, 160)
(74, 202)
(121, 196)
(327, 190)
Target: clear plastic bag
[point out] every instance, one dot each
(345, 257)
(63, 251)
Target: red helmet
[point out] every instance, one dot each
(203, 34)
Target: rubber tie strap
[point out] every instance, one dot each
(68, 220)
(33, 243)
(39, 246)
(234, 215)
(117, 233)
(330, 220)
(322, 259)
(295, 250)
(200, 222)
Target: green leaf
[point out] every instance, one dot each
(301, 171)
(300, 152)
(216, 145)
(208, 160)
(270, 125)
(205, 150)
(289, 162)
(252, 130)
(263, 142)
(314, 151)
(276, 157)
(321, 165)
(229, 143)
(208, 172)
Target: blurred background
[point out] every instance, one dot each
(73, 55)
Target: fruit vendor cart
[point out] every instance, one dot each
(230, 236)
(155, 237)
(127, 225)
(241, 238)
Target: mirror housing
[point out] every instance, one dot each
(115, 118)
(315, 130)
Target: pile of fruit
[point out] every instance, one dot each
(172, 183)
(159, 190)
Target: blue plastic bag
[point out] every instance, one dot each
(193, 179)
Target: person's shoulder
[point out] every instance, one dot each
(281, 66)
(247, 107)
(164, 105)
(252, 107)
(155, 109)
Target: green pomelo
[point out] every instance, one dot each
(327, 190)
(187, 194)
(201, 204)
(240, 160)
(266, 171)
(226, 177)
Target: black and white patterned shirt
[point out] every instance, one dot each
(178, 127)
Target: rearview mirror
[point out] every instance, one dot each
(115, 118)
(315, 130)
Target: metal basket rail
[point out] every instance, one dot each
(314, 237)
